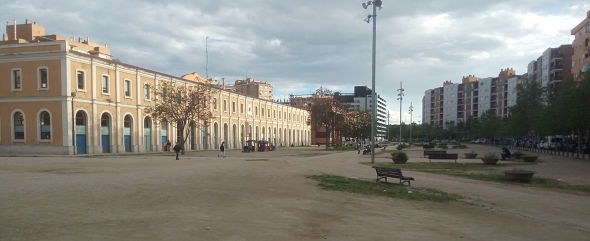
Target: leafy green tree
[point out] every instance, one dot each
(527, 114)
(357, 124)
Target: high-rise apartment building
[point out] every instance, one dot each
(362, 99)
(253, 88)
(553, 66)
(581, 47)
(454, 103)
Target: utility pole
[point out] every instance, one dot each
(400, 97)
(411, 111)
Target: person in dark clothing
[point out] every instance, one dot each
(222, 150)
(505, 153)
(177, 149)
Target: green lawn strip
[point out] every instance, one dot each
(345, 184)
(254, 160)
(483, 172)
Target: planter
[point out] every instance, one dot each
(530, 158)
(470, 155)
(399, 161)
(517, 155)
(519, 175)
(490, 161)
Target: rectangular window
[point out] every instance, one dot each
(146, 90)
(241, 108)
(256, 110)
(105, 84)
(16, 79)
(164, 93)
(127, 88)
(262, 113)
(233, 107)
(215, 103)
(43, 79)
(81, 80)
(225, 105)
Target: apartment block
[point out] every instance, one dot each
(362, 99)
(253, 88)
(553, 66)
(581, 47)
(69, 96)
(453, 103)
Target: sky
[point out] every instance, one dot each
(298, 46)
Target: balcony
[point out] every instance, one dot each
(556, 67)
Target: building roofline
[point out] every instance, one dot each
(168, 75)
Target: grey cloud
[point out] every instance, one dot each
(321, 42)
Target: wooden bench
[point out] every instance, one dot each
(385, 172)
(428, 152)
(445, 156)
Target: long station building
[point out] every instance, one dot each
(65, 96)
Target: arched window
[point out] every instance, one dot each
(45, 125)
(18, 121)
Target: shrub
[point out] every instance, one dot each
(470, 155)
(399, 157)
(490, 159)
(459, 146)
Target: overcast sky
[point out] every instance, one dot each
(298, 46)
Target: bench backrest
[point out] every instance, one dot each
(389, 172)
(444, 156)
(426, 153)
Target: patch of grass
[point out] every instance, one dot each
(257, 160)
(345, 184)
(479, 171)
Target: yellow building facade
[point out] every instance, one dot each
(64, 96)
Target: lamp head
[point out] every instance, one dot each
(367, 4)
(378, 3)
(368, 18)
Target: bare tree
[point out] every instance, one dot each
(327, 112)
(179, 104)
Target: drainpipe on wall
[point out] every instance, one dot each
(73, 125)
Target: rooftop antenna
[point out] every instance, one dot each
(206, 57)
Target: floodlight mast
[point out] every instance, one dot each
(376, 4)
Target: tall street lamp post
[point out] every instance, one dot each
(411, 121)
(376, 4)
(400, 97)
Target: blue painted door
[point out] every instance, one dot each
(128, 143)
(81, 144)
(106, 144)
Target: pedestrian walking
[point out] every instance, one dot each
(177, 149)
(168, 145)
(221, 150)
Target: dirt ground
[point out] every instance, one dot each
(266, 196)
